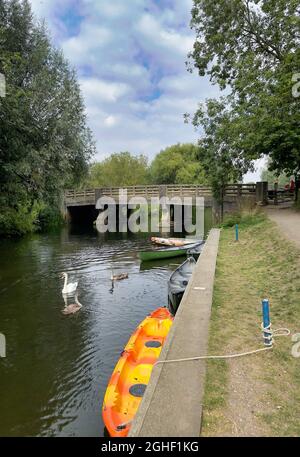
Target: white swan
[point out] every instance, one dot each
(72, 309)
(68, 288)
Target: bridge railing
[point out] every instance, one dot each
(240, 189)
(188, 191)
(88, 196)
(132, 191)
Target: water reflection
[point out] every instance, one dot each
(53, 380)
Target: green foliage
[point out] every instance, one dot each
(240, 36)
(45, 144)
(178, 164)
(272, 177)
(50, 218)
(219, 151)
(243, 219)
(20, 220)
(252, 49)
(120, 169)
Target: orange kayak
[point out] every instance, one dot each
(132, 373)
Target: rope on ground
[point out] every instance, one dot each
(269, 334)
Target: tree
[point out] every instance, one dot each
(45, 143)
(238, 39)
(120, 170)
(219, 151)
(252, 49)
(271, 177)
(177, 164)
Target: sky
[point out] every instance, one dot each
(130, 59)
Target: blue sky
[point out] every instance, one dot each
(130, 58)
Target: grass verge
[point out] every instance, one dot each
(256, 395)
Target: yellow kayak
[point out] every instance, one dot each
(132, 373)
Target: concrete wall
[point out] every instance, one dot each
(172, 404)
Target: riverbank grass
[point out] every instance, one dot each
(257, 395)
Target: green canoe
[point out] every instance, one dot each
(166, 253)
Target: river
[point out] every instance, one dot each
(54, 377)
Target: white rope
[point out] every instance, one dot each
(268, 330)
(269, 334)
(278, 332)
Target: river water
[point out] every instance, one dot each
(54, 377)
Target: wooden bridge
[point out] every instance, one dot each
(89, 197)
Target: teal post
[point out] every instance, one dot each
(266, 322)
(236, 232)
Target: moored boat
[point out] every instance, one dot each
(195, 251)
(165, 253)
(132, 372)
(176, 242)
(178, 283)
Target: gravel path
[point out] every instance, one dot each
(288, 221)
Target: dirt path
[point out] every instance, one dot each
(288, 221)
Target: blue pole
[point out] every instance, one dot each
(266, 322)
(236, 232)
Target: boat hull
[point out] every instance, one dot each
(196, 251)
(174, 302)
(132, 372)
(165, 253)
(178, 282)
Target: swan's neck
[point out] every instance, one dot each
(66, 281)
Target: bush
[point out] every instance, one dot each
(231, 220)
(20, 220)
(50, 218)
(243, 218)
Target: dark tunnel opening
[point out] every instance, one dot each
(83, 215)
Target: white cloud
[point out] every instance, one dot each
(158, 38)
(84, 48)
(97, 91)
(110, 121)
(130, 58)
(112, 9)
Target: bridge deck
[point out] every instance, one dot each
(90, 196)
